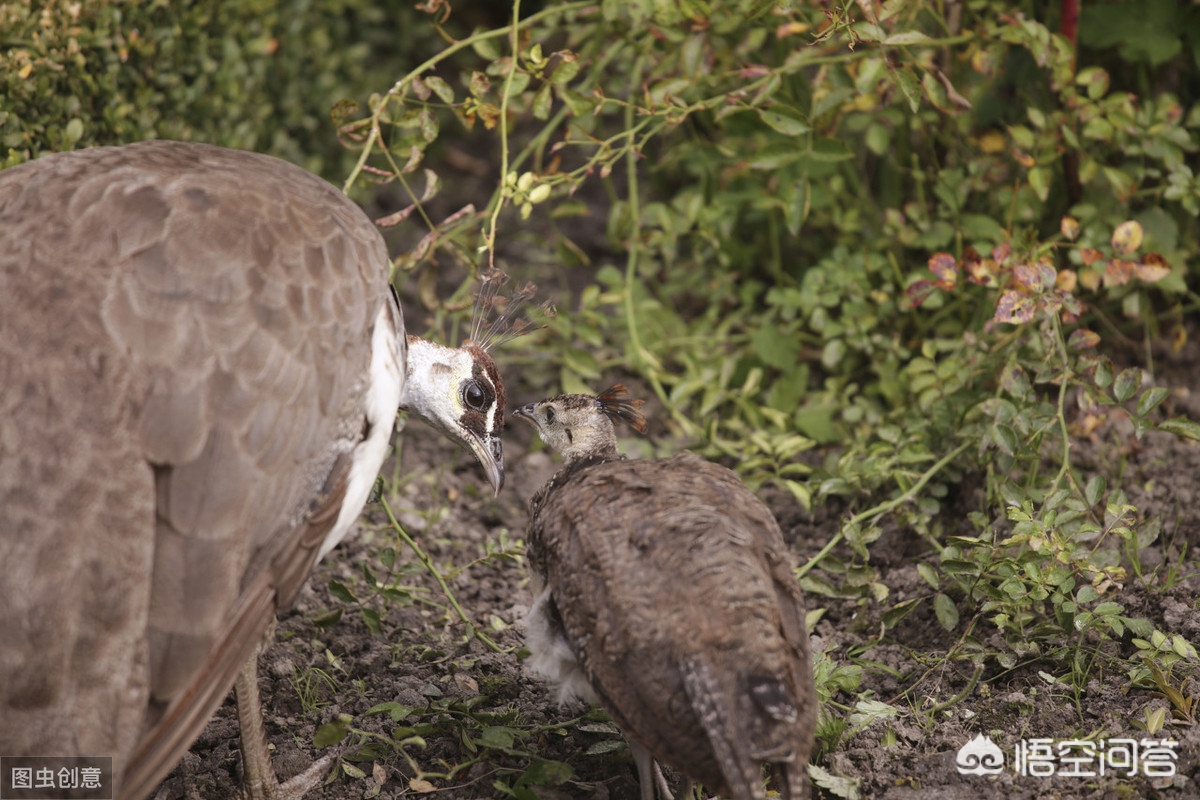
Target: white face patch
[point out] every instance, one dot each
(452, 390)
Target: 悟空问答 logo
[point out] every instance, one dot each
(980, 756)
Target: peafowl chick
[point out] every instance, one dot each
(664, 593)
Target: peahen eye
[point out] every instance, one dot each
(549, 414)
(474, 395)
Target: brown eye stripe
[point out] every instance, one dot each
(486, 373)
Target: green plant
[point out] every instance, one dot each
(314, 686)
(492, 736)
(395, 584)
(260, 75)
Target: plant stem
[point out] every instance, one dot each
(489, 238)
(436, 59)
(427, 562)
(642, 361)
(883, 508)
(965, 691)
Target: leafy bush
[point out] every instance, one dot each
(260, 75)
(801, 197)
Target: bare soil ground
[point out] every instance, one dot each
(465, 696)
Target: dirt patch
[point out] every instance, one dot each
(465, 696)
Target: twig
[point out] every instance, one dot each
(883, 508)
(427, 562)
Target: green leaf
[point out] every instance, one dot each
(832, 353)
(1015, 381)
(545, 772)
(947, 613)
(542, 102)
(1006, 439)
(429, 125)
(1139, 626)
(1083, 339)
(604, 747)
(328, 619)
(801, 492)
(1151, 399)
(487, 49)
(496, 737)
(1127, 383)
(797, 204)
(519, 81)
(1095, 490)
(782, 123)
(1180, 426)
(396, 710)
(341, 592)
(982, 227)
(775, 348)
(1123, 184)
(815, 420)
(934, 90)
(568, 67)
(928, 573)
(893, 615)
(581, 362)
(440, 88)
(74, 130)
(837, 785)
(867, 711)
(1096, 80)
(906, 38)
(479, 85)
(1022, 137)
(1039, 181)
(828, 150)
(580, 104)
(910, 87)
(776, 155)
(371, 618)
(332, 733)
(1182, 647)
(1155, 720)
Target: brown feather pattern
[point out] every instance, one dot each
(184, 342)
(676, 595)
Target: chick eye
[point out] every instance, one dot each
(549, 414)
(474, 395)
